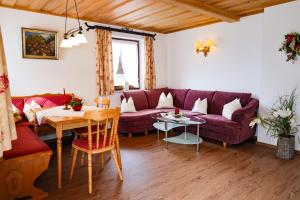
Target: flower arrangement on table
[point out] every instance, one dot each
(281, 123)
(291, 46)
(76, 104)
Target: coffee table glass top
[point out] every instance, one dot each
(167, 121)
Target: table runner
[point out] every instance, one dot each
(60, 112)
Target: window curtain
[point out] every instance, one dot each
(104, 64)
(150, 77)
(7, 123)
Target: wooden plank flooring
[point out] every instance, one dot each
(246, 171)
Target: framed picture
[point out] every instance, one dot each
(39, 44)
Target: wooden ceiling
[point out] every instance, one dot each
(163, 16)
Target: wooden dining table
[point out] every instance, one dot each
(62, 124)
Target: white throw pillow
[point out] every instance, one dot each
(15, 109)
(127, 106)
(230, 108)
(200, 106)
(28, 112)
(165, 101)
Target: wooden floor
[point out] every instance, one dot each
(246, 171)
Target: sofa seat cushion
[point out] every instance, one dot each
(193, 95)
(140, 115)
(220, 124)
(153, 96)
(190, 114)
(48, 100)
(179, 97)
(139, 99)
(222, 98)
(26, 143)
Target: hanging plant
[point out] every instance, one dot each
(291, 46)
(3, 83)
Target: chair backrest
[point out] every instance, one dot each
(109, 118)
(103, 102)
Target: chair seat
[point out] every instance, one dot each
(83, 142)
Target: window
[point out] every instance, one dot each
(126, 63)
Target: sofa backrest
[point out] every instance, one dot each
(139, 98)
(153, 96)
(222, 98)
(193, 95)
(179, 96)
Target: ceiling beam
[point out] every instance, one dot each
(205, 9)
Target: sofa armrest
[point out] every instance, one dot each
(247, 113)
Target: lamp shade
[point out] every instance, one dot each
(80, 38)
(65, 43)
(73, 40)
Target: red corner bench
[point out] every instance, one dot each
(28, 159)
(216, 127)
(44, 100)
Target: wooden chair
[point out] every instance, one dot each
(83, 132)
(98, 143)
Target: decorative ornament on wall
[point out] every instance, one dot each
(291, 46)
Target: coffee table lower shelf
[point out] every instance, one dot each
(184, 138)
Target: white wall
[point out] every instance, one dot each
(246, 58)
(75, 69)
(234, 64)
(277, 76)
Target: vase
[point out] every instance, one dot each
(77, 107)
(285, 147)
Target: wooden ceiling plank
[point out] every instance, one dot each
(142, 12)
(109, 8)
(173, 19)
(149, 15)
(205, 9)
(191, 25)
(94, 7)
(127, 9)
(9, 2)
(38, 4)
(173, 11)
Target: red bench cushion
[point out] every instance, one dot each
(47, 100)
(19, 103)
(27, 143)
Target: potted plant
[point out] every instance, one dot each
(281, 124)
(76, 104)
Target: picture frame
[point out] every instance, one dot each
(39, 44)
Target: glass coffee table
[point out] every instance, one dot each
(166, 122)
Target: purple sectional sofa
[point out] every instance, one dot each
(216, 127)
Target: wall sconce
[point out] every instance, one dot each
(204, 47)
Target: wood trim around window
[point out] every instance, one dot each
(139, 64)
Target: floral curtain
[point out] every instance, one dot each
(104, 65)
(150, 77)
(7, 123)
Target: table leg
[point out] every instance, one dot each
(118, 151)
(197, 137)
(59, 156)
(166, 137)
